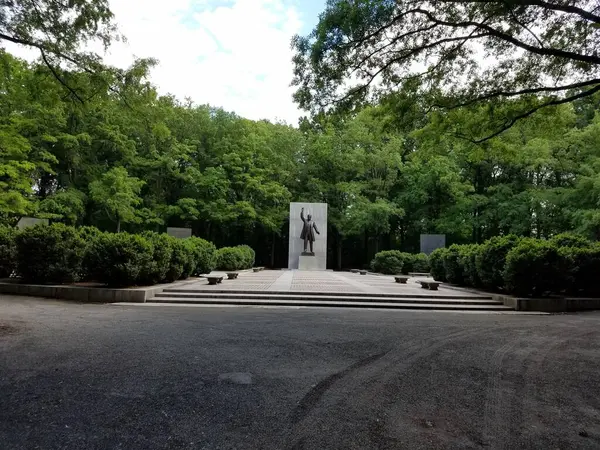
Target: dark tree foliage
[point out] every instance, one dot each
(460, 53)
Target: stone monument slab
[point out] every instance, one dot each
(25, 222)
(430, 242)
(180, 233)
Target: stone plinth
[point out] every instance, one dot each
(306, 262)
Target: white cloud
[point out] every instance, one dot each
(235, 55)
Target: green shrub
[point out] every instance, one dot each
(491, 259)
(89, 233)
(583, 267)
(388, 261)
(467, 261)
(249, 256)
(436, 261)
(230, 258)
(535, 268)
(8, 251)
(119, 259)
(235, 258)
(157, 268)
(416, 262)
(189, 267)
(49, 253)
(571, 240)
(452, 265)
(182, 260)
(204, 255)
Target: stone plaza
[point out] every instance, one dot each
(298, 288)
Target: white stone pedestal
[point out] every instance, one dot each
(308, 263)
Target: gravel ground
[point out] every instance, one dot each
(76, 376)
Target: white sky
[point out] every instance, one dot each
(230, 53)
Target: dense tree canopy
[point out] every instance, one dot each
(460, 52)
(84, 145)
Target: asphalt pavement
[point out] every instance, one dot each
(77, 376)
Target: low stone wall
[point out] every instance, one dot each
(85, 294)
(550, 304)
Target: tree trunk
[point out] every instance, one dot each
(366, 250)
(339, 251)
(273, 250)
(118, 225)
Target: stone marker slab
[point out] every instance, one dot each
(180, 233)
(25, 222)
(431, 242)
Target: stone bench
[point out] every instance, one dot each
(363, 272)
(401, 279)
(232, 275)
(431, 285)
(214, 280)
(256, 269)
(353, 270)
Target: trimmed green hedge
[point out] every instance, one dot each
(249, 256)
(491, 259)
(436, 260)
(49, 253)
(120, 259)
(181, 257)
(157, 268)
(584, 267)
(388, 262)
(235, 258)
(8, 251)
(59, 253)
(418, 262)
(523, 266)
(204, 255)
(452, 265)
(467, 260)
(571, 240)
(535, 267)
(395, 262)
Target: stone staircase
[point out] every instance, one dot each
(229, 297)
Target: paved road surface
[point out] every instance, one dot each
(108, 377)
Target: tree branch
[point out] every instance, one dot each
(393, 41)
(508, 38)
(565, 8)
(524, 91)
(43, 49)
(59, 78)
(528, 113)
(547, 5)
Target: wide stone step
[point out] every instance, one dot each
(329, 303)
(310, 297)
(424, 294)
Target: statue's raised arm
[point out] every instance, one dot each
(302, 215)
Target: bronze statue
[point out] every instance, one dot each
(308, 231)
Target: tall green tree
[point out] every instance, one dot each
(117, 194)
